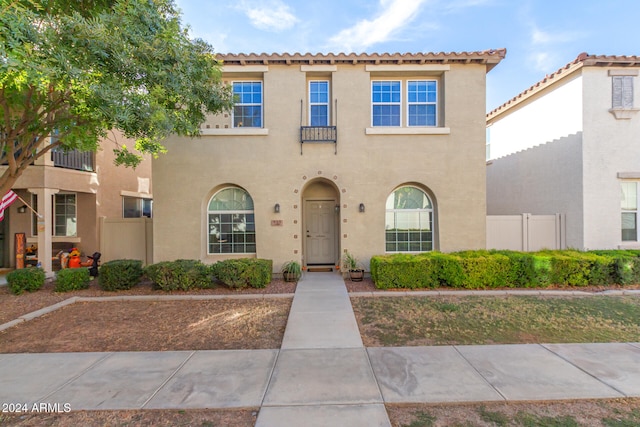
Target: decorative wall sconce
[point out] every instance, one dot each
(22, 209)
(361, 208)
(276, 208)
(337, 208)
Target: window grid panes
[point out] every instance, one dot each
(231, 223)
(65, 215)
(247, 111)
(385, 100)
(422, 102)
(629, 206)
(319, 103)
(409, 221)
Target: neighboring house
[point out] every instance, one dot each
(328, 153)
(72, 191)
(570, 144)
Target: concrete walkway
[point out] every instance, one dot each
(322, 375)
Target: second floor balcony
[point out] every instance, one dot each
(74, 159)
(319, 135)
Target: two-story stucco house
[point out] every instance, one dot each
(328, 153)
(569, 145)
(72, 191)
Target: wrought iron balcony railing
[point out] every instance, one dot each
(318, 135)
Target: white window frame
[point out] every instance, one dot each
(631, 210)
(430, 213)
(427, 103)
(34, 218)
(327, 104)
(230, 212)
(391, 103)
(251, 104)
(55, 215)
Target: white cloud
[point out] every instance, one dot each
(539, 36)
(394, 16)
(272, 15)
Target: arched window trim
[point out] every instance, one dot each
(231, 231)
(409, 229)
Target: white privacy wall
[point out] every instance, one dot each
(543, 118)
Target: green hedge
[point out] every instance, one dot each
(498, 269)
(25, 279)
(120, 274)
(243, 272)
(182, 274)
(72, 279)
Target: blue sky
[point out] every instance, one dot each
(540, 35)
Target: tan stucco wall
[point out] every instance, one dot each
(366, 168)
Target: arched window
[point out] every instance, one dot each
(409, 221)
(231, 222)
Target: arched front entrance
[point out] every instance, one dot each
(321, 223)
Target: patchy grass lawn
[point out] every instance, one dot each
(418, 321)
(593, 413)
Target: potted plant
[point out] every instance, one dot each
(356, 273)
(291, 271)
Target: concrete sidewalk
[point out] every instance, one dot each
(322, 375)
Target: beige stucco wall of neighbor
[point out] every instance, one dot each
(550, 114)
(610, 147)
(542, 180)
(450, 167)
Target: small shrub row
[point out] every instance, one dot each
(25, 279)
(120, 274)
(497, 269)
(182, 274)
(243, 272)
(72, 279)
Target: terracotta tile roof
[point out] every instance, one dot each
(582, 60)
(489, 57)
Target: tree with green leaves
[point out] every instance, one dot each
(79, 69)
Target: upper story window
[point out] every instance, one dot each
(622, 92)
(421, 103)
(231, 222)
(247, 111)
(385, 103)
(422, 98)
(319, 103)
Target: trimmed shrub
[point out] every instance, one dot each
(403, 271)
(484, 270)
(625, 267)
(120, 274)
(182, 274)
(522, 270)
(25, 279)
(448, 268)
(72, 279)
(243, 272)
(576, 268)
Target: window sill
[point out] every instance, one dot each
(235, 132)
(623, 113)
(382, 130)
(630, 244)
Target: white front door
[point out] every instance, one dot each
(320, 224)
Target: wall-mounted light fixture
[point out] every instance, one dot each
(22, 209)
(276, 208)
(337, 208)
(361, 208)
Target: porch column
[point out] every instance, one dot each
(45, 227)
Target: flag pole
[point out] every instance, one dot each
(29, 206)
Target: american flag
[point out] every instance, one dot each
(8, 198)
